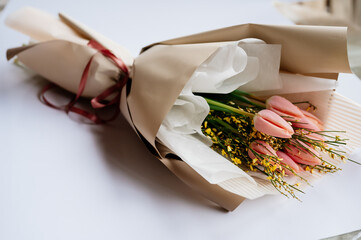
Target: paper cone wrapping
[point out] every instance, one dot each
(60, 47)
(160, 72)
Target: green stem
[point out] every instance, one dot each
(235, 110)
(353, 161)
(234, 96)
(241, 93)
(245, 100)
(226, 125)
(218, 108)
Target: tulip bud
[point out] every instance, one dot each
(313, 119)
(302, 153)
(260, 147)
(288, 161)
(306, 124)
(284, 108)
(270, 123)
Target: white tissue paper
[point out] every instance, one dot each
(233, 65)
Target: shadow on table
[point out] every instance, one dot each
(127, 155)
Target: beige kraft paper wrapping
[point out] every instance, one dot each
(330, 13)
(160, 72)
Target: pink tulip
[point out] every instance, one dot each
(306, 124)
(284, 108)
(309, 121)
(270, 123)
(313, 119)
(302, 153)
(260, 147)
(288, 161)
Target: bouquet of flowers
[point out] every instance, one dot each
(227, 111)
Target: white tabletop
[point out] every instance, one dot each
(61, 179)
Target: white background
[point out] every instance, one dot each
(61, 179)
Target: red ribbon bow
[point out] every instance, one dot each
(96, 102)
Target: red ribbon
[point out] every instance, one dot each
(98, 101)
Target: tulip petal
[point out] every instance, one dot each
(301, 153)
(313, 162)
(270, 123)
(289, 161)
(284, 108)
(315, 120)
(306, 123)
(260, 147)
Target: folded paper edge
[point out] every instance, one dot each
(336, 38)
(12, 52)
(212, 192)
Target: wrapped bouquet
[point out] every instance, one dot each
(227, 111)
